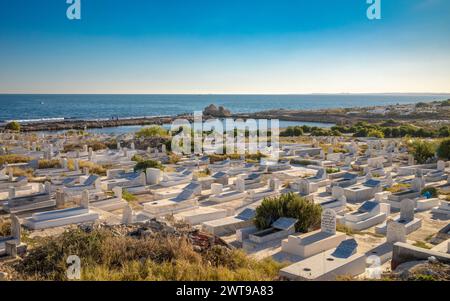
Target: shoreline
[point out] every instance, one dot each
(411, 113)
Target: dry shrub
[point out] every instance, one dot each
(108, 256)
(12, 159)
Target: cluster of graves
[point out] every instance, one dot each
(367, 188)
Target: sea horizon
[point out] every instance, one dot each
(36, 107)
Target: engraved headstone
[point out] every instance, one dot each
(328, 223)
(346, 249)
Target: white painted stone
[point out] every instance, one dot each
(441, 165)
(407, 210)
(328, 221)
(117, 192)
(153, 176)
(216, 188)
(85, 199)
(396, 232)
(240, 184)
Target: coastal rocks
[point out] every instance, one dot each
(213, 111)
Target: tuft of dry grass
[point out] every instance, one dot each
(107, 256)
(12, 159)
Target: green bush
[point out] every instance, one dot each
(13, 126)
(288, 205)
(143, 165)
(423, 150)
(152, 131)
(443, 150)
(375, 133)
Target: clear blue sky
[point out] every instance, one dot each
(227, 46)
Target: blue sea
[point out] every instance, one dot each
(37, 107)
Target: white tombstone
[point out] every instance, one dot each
(60, 199)
(396, 232)
(163, 148)
(117, 192)
(274, 184)
(328, 221)
(76, 165)
(407, 210)
(118, 145)
(11, 193)
(132, 146)
(441, 165)
(216, 188)
(15, 227)
(48, 187)
(411, 160)
(417, 184)
(143, 179)
(64, 163)
(10, 174)
(240, 184)
(127, 216)
(86, 171)
(90, 154)
(337, 192)
(153, 176)
(41, 188)
(85, 199)
(85, 148)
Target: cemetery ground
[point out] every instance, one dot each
(130, 209)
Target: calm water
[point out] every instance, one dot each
(35, 107)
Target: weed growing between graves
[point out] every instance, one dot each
(306, 212)
(127, 196)
(49, 164)
(106, 255)
(12, 159)
(421, 244)
(5, 228)
(94, 144)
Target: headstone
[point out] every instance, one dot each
(64, 163)
(240, 184)
(90, 154)
(76, 165)
(328, 223)
(407, 210)
(11, 193)
(132, 146)
(15, 227)
(441, 165)
(127, 216)
(410, 160)
(85, 199)
(163, 148)
(86, 171)
(11, 174)
(274, 184)
(337, 192)
(153, 176)
(396, 232)
(118, 145)
(85, 148)
(117, 192)
(216, 188)
(48, 187)
(60, 200)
